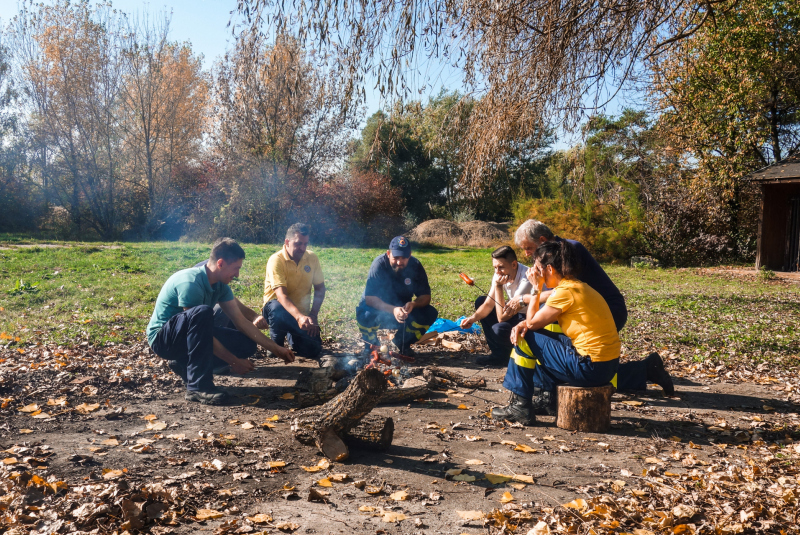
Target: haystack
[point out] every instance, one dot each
(470, 234)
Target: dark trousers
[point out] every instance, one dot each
(498, 333)
(188, 337)
(418, 322)
(282, 327)
(544, 360)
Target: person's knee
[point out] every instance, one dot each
(480, 301)
(502, 329)
(201, 314)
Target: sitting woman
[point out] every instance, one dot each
(586, 354)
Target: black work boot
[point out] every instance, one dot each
(656, 373)
(544, 403)
(178, 368)
(518, 410)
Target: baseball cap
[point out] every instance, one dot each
(400, 246)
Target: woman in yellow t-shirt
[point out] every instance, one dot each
(586, 354)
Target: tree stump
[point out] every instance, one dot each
(584, 409)
(373, 432)
(327, 424)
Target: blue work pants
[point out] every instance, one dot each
(283, 327)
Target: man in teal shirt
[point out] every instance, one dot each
(182, 329)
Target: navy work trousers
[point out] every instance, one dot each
(283, 327)
(188, 337)
(544, 360)
(418, 322)
(498, 333)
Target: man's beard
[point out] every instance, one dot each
(397, 269)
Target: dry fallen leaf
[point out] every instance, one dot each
(474, 461)
(325, 483)
(322, 465)
(579, 504)
(506, 498)
(653, 460)
(110, 442)
(109, 474)
(541, 528)
(494, 479)
(287, 395)
(473, 438)
(454, 471)
(248, 425)
(463, 407)
(260, 518)
(274, 418)
(464, 477)
(208, 514)
(275, 464)
(338, 478)
(470, 515)
(287, 526)
(633, 403)
(33, 407)
(90, 390)
(25, 431)
(399, 496)
(508, 443)
(391, 516)
(525, 448)
(524, 479)
(156, 426)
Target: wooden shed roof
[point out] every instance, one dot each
(788, 170)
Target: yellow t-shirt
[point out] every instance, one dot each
(586, 319)
(298, 279)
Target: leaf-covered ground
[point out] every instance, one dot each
(98, 439)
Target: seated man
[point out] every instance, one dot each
(631, 375)
(182, 329)
(394, 278)
(291, 273)
(499, 316)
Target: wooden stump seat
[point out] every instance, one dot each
(584, 409)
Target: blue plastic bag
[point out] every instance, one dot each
(443, 325)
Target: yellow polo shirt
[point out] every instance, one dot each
(298, 279)
(586, 319)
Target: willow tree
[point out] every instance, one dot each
(532, 64)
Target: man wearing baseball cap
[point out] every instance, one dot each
(397, 296)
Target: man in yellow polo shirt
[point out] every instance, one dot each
(291, 274)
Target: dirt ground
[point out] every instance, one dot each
(159, 464)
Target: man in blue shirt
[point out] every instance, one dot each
(631, 375)
(389, 302)
(182, 328)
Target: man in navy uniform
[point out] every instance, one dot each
(397, 296)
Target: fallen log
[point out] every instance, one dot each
(434, 376)
(326, 425)
(392, 395)
(373, 432)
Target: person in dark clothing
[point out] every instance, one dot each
(631, 375)
(397, 296)
(182, 331)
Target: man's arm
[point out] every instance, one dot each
(481, 312)
(400, 313)
(303, 321)
(250, 330)
(251, 316)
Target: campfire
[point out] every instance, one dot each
(391, 363)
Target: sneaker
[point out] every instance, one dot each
(656, 373)
(518, 409)
(492, 360)
(179, 368)
(544, 404)
(222, 370)
(206, 397)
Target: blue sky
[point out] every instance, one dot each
(204, 23)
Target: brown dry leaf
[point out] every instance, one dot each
(524, 479)
(109, 474)
(10, 460)
(287, 395)
(473, 438)
(90, 390)
(322, 465)
(633, 403)
(399, 496)
(33, 407)
(325, 482)
(675, 439)
(454, 471)
(208, 514)
(494, 479)
(25, 431)
(653, 460)
(287, 526)
(463, 407)
(474, 461)
(391, 516)
(234, 422)
(275, 464)
(464, 477)
(525, 448)
(41, 415)
(229, 437)
(58, 402)
(150, 417)
(274, 418)
(549, 438)
(260, 518)
(506, 498)
(470, 515)
(156, 426)
(366, 508)
(248, 425)
(695, 446)
(255, 400)
(541, 528)
(110, 442)
(373, 490)
(508, 443)
(338, 478)
(518, 486)
(579, 504)
(267, 425)
(287, 486)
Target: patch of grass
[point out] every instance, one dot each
(102, 292)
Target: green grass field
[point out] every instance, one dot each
(105, 293)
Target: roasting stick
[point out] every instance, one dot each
(469, 282)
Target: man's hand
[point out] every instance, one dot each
(284, 353)
(513, 305)
(400, 314)
(466, 323)
(260, 322)
(518, 332)
(313, 329)
(307, 323)
(242, 366)
(500, 280)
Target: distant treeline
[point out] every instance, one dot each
(109, 130)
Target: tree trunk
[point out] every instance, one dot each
(327, 424)
(438, 376)
(373, 432)
(584, 409)
(392, 395)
